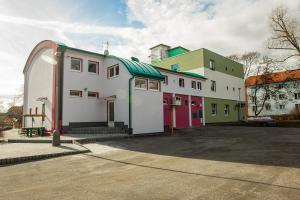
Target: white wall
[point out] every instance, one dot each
(275, 103)
(222, 81)
(38, 83)
(147, 111)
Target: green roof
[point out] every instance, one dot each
(141, 69)
(191, 74)
(135, 68)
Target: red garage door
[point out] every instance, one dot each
(167, 99)
(182, 112)
(196, 111)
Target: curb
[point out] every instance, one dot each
(99, 139)
(37, 141)
(19, 160)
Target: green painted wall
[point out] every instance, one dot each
(200, 58)
(177, 51)
(220, 117)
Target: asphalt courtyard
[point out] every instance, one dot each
(208, 163)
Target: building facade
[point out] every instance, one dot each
(284, 98)
(224, 87)
(67, 87)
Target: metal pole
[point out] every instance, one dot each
(239, 104)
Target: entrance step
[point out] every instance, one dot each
(98, 130)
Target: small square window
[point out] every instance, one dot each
(153, 85)
(76, 64)
(93, 67)
(113, 71)
(141, 83)
(75, 93)
(281, 107)
(93, 94)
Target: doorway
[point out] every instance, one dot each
(111, 113)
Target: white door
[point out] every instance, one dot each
(111, 113)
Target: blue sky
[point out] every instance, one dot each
(131, 27)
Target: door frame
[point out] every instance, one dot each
(110, 123)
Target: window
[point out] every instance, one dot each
(281, 107)
(281, 96)
(214, 109)
(181, 82)
(76, 64)
(253, 108)
(226, 68)
(227, 88)
(141, 83)
(297, 95)
(199, 86)
(194, 85)
(93, 94)
(36, 110)
(113, 71)
(233, 89)
(268, 97)
(175, 67)
(93, 67)
(212, 65)
(280, 86)
(166, 80)
(75, 93)
(153, 85)
(268, 106)
(297, 106)
(30, 111)
(213, 86)
(226, 110)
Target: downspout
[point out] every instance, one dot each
(130, 104)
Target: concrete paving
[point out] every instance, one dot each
(210, 163)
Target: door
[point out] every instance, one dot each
(167, 101)
(196, 111)
(111, 113)
(182, 112)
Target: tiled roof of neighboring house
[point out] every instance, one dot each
(276, 77)
(135, 68)
(191, 74)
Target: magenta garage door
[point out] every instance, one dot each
(167, 99)
(196, 111)
(182, 112)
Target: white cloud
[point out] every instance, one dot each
(224, 26)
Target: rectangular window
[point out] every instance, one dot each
(166, 80)
(297, 95)
(153, 85)
(75, 93)
(76, 64)
(93, 94)
(213, 86)
(141, 83)
(281, 107)
(194, 85)
(93, 67)
(253, 108)
(297, 106)
(199, 86)
(181, 82)
(226, 110)
(268, 106)
(212, 65)
(213, 109)
(113, 71)
(281, 96)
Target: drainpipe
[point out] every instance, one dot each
(130, 104)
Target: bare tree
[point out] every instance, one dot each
(285, 33)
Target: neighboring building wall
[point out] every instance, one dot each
(39, 83)
(220, 116)
(288, 104)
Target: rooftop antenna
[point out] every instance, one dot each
(106, 52)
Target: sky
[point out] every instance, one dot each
(131, 27)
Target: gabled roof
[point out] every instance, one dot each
(190, 74)
(276, 77)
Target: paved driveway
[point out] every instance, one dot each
(210, 163)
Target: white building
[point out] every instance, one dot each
(282, 102)
(67, 87)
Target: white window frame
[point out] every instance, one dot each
(212, 65)
(215, 110)
(226, 110)
(213, 83)
(182, 86)
(297, 95)
(156, 81)
(97, 67)
(93, 97)
(114, 67)
(281, 106)
(80, 68)
(199, 83)
(75, 96)
(195, 84)
(141, 79)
